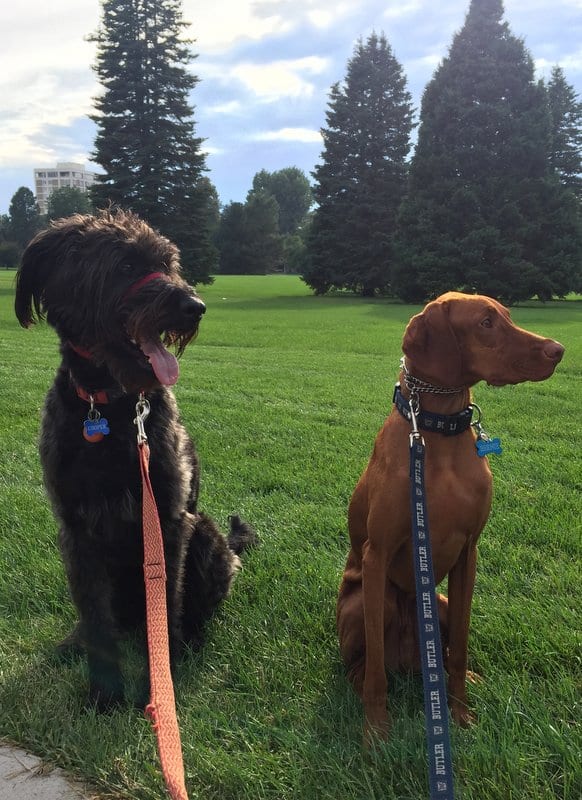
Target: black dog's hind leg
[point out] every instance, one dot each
(72, 646)
(96, 631)
(211, 564)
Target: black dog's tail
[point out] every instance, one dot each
(241, 535)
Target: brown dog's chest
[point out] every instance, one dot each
(458, 487)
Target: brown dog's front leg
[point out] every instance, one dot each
(374, 689)
(461, 584)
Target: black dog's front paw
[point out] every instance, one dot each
(105, 685)
(104, 699)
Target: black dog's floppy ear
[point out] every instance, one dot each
(35, 268)
(431, 346)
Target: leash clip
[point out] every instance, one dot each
(142, 410)
(414, 405)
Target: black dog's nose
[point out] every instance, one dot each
(192, 307)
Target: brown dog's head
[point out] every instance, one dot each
(460, 339)
(110, 285)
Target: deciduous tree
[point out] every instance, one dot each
(248, 237)
(66, 201)
(24, 216)
(291, 189)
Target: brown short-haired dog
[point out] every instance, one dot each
(111, 288)
(455, 342)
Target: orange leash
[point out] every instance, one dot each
(162, 707)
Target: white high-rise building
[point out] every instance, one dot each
(47, 179)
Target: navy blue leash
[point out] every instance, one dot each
(440, 767)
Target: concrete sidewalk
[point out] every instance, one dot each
(25, 777)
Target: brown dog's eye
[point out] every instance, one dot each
(487, 323)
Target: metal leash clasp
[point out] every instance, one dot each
(142, 410)
(414, 405)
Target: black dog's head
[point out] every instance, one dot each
(111, 287)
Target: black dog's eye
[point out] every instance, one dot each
(127, 268)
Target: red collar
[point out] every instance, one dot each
(80, 351)
(100, 397)
(135, 287)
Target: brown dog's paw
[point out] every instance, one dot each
(462, 714)
(376, 729)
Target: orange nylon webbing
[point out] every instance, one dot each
(162, 706)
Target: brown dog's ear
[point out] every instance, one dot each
(35, 268)
(431, 347)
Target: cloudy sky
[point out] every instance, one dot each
(266, 67)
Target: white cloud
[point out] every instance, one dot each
(221, 24)
(306, 135)
(46, 80)
(321, 18)
(230, 107)
(270, 82)
(571, 62)
(398, 10)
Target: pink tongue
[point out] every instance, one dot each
(164, 364)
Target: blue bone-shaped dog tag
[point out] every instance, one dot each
(487, 446)
(96, 426)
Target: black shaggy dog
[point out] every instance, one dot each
(111, 288)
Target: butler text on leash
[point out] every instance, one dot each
(457, 341)
(111, 288)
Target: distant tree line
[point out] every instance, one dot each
(24, 218)
(490, 201)
(266, 233)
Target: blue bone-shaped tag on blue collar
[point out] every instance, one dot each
(96, 426)
(487, 446)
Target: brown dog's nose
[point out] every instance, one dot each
(192, 307)
(554, 350)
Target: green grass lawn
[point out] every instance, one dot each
(284, 393)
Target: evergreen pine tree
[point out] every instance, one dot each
(361, 180)
(145, 140)
(566, 131)
(479, 191)
(231, 239)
